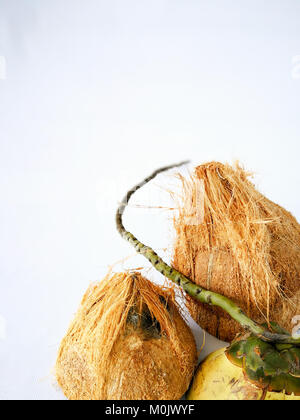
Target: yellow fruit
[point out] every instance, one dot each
(218, 379)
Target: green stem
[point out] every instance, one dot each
(193, 290)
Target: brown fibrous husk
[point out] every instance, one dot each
(128, 341)
(245, 247)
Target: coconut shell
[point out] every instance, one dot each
(128, 341)
(245, 247)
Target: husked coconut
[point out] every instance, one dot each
(128, 341)
(244, 247)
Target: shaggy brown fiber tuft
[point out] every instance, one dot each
(128, 341)
(246, 247)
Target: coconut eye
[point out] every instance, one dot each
(133, 318)
(150, 325)
(145, 321)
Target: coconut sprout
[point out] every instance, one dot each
(268, 356)
(198, 293)
(127, 341)
(246, 248)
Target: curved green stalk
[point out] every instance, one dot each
(193, 290)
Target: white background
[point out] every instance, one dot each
(96, 94)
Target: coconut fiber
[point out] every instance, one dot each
(128, 341)
(245, 247)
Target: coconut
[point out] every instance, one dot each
(218, 379)
(244, 247)
(128, 341)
